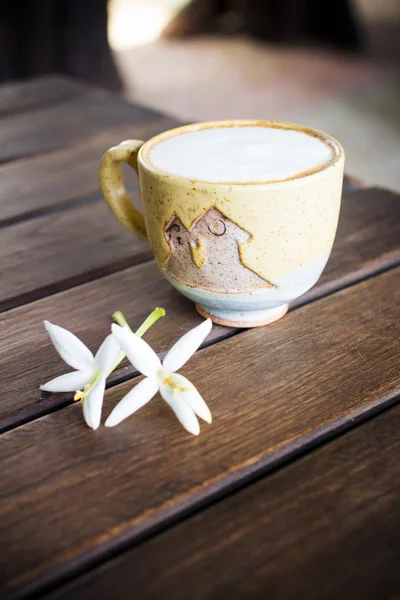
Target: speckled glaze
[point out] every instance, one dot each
(240, 251)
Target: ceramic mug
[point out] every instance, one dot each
(240, 251)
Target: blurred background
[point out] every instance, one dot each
(333, 65)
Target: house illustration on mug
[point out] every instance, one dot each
(208, 254)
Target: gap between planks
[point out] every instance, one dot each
(60, 207)
(51, 209)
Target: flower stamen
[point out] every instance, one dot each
(174, 387)
(81, 394)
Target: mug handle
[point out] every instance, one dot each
(113, 188)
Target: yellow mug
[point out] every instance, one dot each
(241, 250)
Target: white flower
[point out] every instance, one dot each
(91, 372)
(177, 391)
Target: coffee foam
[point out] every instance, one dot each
(241, 154)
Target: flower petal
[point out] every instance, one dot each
(107, 354)
(93, 403)
(69, 347)
(184, 348)
(143, 358)
(135, 399)
(184, 413)
(183, 390)
(71, 382)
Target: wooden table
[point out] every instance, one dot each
(293, 492)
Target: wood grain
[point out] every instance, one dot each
(324, 527)
(54, 252)
(273, 391)
(31, 94)
(360, 249)
(57, 126)
(44, 182)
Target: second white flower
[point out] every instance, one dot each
(178, 392)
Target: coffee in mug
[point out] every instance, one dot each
(241, 154)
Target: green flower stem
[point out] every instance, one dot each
(119, 318)
(151, 319)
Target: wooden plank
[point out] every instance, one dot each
(324, 527)
(31, 94)
(54, 127)
(70, 496)
(40, 183)
(54, 252)
(358, 252)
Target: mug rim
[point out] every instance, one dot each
(143, 155)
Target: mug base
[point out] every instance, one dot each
(246, 319)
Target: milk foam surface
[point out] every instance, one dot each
(239, 154)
